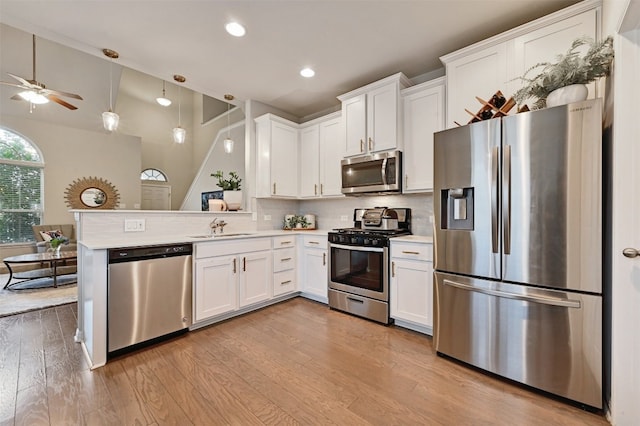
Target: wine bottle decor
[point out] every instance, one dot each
(497, 106)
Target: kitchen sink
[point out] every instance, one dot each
(215, 236)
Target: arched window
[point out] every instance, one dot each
(153, 174)
(20, 187)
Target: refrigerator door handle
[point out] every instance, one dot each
(506, 200)
(553, 301)
(494, 199)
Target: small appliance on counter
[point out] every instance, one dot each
(359, 262)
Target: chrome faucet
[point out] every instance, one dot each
(215, 224)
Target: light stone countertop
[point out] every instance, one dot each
(149, 240)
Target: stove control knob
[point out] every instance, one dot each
(354, 240)
(367, 241)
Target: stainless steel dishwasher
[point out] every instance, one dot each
(149, 293)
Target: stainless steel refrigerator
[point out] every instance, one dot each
(518, 248)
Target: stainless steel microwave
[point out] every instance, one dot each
(375, 173)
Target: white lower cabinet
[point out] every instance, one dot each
(284, 265)
(411, 285)
(215, 287)
(314, 277)
(254, 277)
(230, 275)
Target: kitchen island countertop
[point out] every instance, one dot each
(148, 240)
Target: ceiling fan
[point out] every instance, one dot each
(35, 92)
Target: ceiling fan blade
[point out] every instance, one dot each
(23, 81)
(61, 102)
(17, 98)
(6, 83)
(60, 93)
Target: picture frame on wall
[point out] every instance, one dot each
(211, 195)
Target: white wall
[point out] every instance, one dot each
(625, 280)
(153, 124)
(70, 154)
(216, 159)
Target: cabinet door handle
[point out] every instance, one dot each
(324, 259)
(370, 144)
(410, 252)
(234, 265)
(361, 145)
(393, 269)
(315, 189)
(285, 259)
(274, 188)
(314, 242)
(284, 242)
(285, 282)
(406, 181)
(244, 264)
(321, 190)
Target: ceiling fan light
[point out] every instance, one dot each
(165, 102)
(228, 145)
(33, 97)
(110, 120)
(179, 135)
(235, 29)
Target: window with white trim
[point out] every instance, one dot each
(153, 174)
(21, 191)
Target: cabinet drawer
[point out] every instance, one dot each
(284, 241)
(284, 259)
(284, 282)
(222, 248)
(315, 241)
(416, 251)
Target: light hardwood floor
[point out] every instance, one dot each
(293, 363)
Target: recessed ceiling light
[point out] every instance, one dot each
(307, 72)
(235, 29)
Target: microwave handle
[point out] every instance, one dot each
(384, 168)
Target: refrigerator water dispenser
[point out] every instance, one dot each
(457, 208)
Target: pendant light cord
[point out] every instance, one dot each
(111, 86)
(179, 105)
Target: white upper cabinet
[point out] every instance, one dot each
(277, 157)
(478, 74)
(331, 153)
(547, 42)
(321, 150)
(423, 116)
(372, 115)
(496, 63)
(310, 161)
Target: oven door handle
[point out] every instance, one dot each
(357, 248)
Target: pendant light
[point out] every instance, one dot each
(179, 134)
(228, 142)
(109, 118)
(163, 100)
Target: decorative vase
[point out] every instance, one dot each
(233, 199)
(567, 95)
(55, 251)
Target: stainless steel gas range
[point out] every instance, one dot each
(359, 262)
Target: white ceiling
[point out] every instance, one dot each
(349, 43)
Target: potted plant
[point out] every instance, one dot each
(296, 222)
(232, 194)
(568, 70)
(56, 244)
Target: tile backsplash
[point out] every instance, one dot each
(330, 212)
